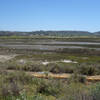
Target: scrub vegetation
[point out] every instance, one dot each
(19, 61)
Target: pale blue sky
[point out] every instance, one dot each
(30, 15)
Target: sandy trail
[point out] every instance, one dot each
(57, 76)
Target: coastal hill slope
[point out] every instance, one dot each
(48, 33)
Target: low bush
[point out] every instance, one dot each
(50, 87)
(96, 92)
(77, 78)
(86, 69)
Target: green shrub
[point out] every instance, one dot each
(75, 91)
(12, 83)
(59, 68)
(96, 92)
(48, 87)
(77, 78)
(87, 69)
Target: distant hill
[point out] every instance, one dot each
(49, 33)
(97, 33)
(10, 33)
(61, 33)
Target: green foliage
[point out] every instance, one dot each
(87, 69)
(96, 92)
(77, 78)
(48, 87)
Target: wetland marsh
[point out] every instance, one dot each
(46, 68)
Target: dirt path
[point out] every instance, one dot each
(58, 76)
(4, 58)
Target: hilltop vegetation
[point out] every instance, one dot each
(48, 33)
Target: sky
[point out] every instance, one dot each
(32, 15)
